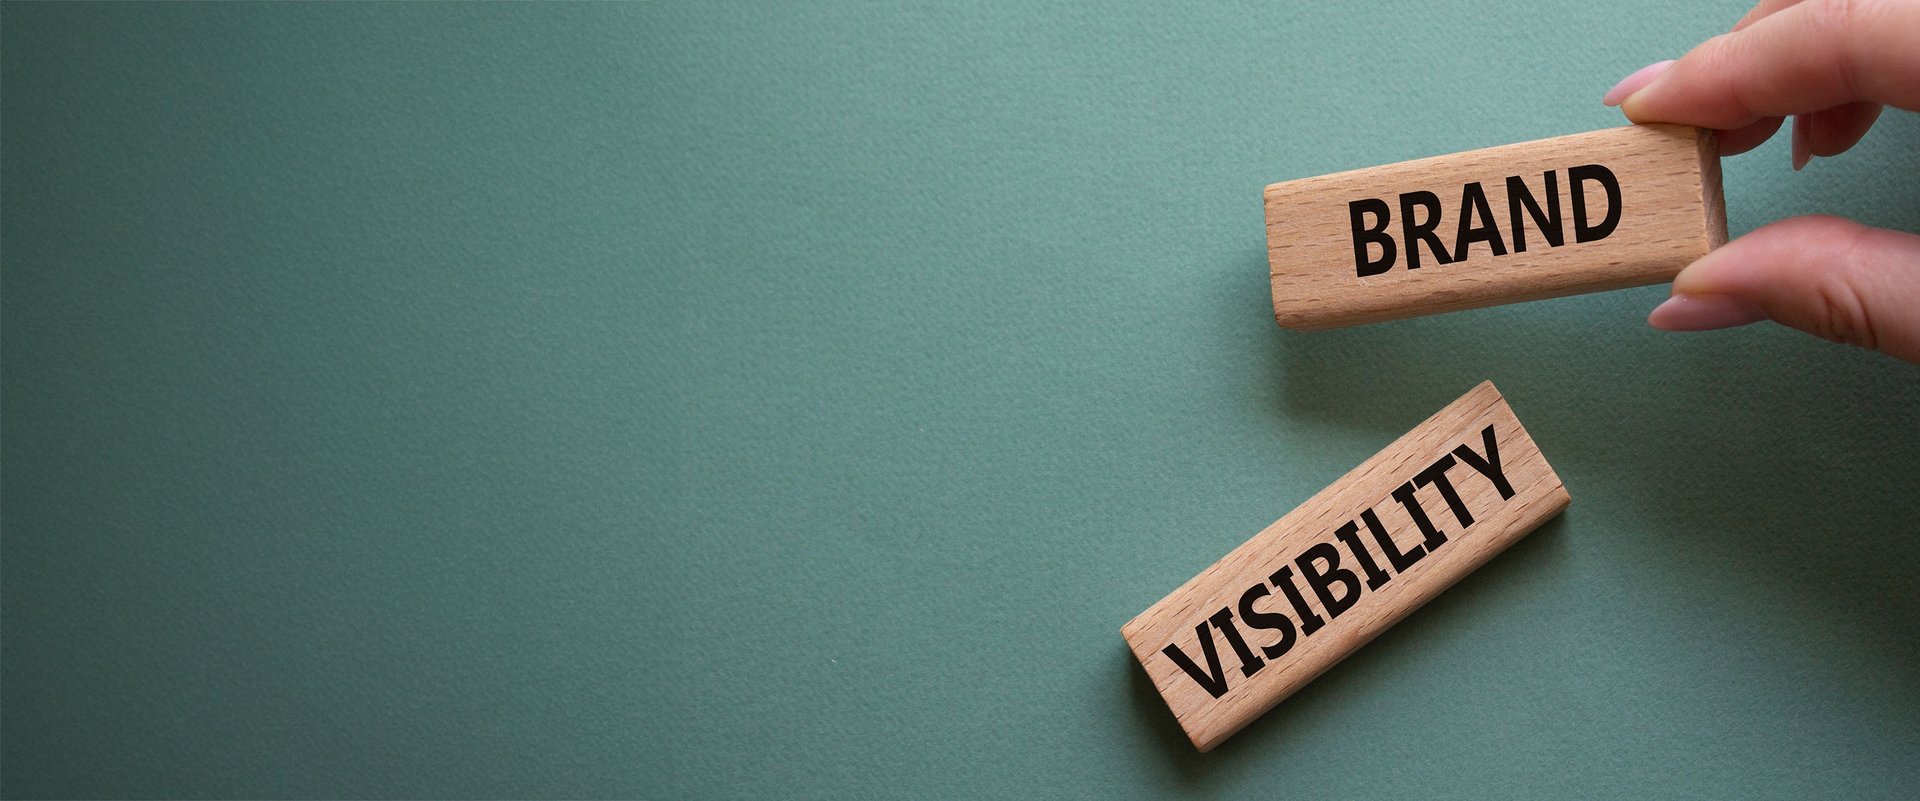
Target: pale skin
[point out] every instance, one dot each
(1831, 65)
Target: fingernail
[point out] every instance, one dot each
(1802, 151)
(1703, 313)
(1635, 82)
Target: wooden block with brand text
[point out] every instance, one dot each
(1583, 213)
(1353, 560)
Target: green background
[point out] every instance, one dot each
(695, 400)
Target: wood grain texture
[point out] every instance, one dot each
(1343, 514)
(1672, 212)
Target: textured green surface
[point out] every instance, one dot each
(678, 400)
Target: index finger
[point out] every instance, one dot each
(1809, 57)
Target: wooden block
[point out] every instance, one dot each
(1350, 562)
(1583, 213)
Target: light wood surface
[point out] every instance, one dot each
(1670, 213)
(1447, 455)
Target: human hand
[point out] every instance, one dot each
(1831, 65)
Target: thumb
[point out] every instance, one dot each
(1827, 276)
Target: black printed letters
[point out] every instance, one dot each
(1339, 571)
(1421, 216)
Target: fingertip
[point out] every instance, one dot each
(1633, 83)
(1640, 110)
(1688, 312)
(1828, 276)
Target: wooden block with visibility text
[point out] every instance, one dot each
(1584, 213)
(1350, 562)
